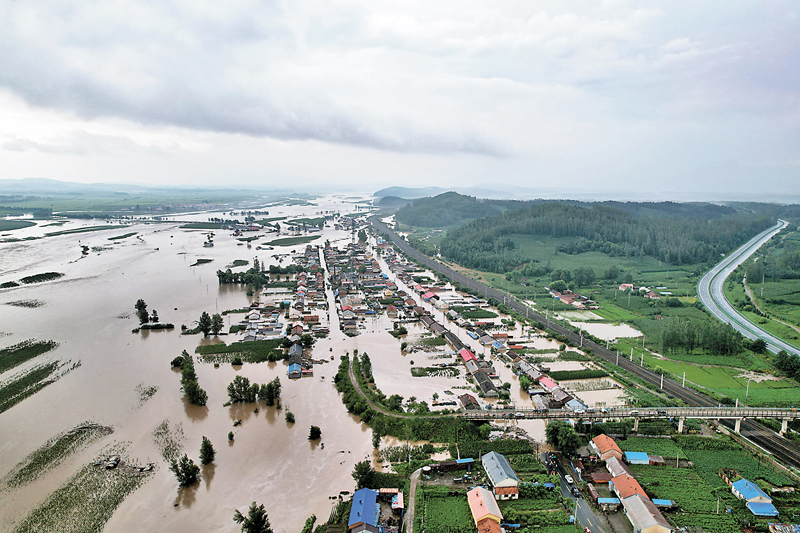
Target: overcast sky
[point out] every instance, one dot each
(666, 97)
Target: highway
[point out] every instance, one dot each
(784, 450)
(710, 291)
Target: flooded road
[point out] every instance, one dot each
(90, 313)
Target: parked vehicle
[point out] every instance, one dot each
(569, 479)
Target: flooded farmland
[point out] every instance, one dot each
(90, 313)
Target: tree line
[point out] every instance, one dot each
(713, 337)
(486, 243)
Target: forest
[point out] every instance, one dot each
(451, 208)
(486, 243)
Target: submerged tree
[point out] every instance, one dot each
(207, 452)
(204, 324)
(314, 433)
(256, 520)
(216, 323)
(185, 471)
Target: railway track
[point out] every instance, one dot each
(781, 448)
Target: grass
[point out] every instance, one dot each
(428, 371)
(292, 241)
(54, 452)
(30, 304)
(239, 263)
(24, 351)
(250, 352)
(306, 221)
(441, 512)
(692, 493)
(201, 262)
(28, 383)
(86, 229)
(268, 220)
(84, 503)
(202, 225)
(123, 236)
(39, 278)
(734, 292)
(9, 225)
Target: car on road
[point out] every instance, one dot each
(519, 415)
(569, 479)
(661, 412)
(576, 492)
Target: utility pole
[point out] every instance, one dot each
(617, 358)
(662, 381)
(684, 380)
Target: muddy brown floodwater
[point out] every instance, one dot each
(90, 313)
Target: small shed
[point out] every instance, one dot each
(295, 371)
(762, 509)
(657, 460)
(608, 504)
(663, 503)
(637, 458)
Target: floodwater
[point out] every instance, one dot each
(90, 312)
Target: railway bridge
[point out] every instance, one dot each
(737, 414)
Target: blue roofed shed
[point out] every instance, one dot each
(295, 370)
(663, 503)
(762, 509)
(637, 458)
(363, 509)
(749, 491)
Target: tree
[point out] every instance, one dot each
(195, 393)
(558, 285)
(363, 474)
(256, 520)
(185, 471)
(241, 391)
(204, 324)
(362, 235)
(216, 323)
(759, 346)
(207, 452)
(376, 438)
(289, 417)
(568, 440)
(314, 433)
(140, 305)
(141, 311)
(154, 316)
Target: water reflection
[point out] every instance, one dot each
(186, 496)
(195, 413)
(208, 472)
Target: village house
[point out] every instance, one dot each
(483, 506)
(604, 447)
(502, 477)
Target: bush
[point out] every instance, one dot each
(314, 433)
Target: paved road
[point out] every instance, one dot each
(578, 506)
(785, 450)
(710, 291)
(408, 519)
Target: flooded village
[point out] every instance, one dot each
(358, 339)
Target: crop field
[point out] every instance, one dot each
(202, 225)
(442, 513)
(664, 447)
(692, 493)
(250, 352)
(292, 241)
(9, 225)
(84, 503)
(24, 351)
(709, 462)
(123, 236)
(54, 452)
(726, 381)
(18, 387)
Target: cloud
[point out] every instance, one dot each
(85, 143)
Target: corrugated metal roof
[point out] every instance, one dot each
(643, 514)
(637, 458)
(482, 504)
(608, 501)
(497, 468)
(762, 509)
(363, 508)
(749, 490)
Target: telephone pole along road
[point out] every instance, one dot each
(711, 293)
(786, 451)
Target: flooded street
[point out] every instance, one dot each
(90, 312)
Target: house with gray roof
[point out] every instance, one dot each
(502, 477)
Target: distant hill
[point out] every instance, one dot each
(46, 185)
(451, 208)
(392, 202)
(408, 192)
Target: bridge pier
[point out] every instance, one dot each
(680, 425)
(784, 426)
(738, 426)
(636, 425)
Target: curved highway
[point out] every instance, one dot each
(786, 451)
(710, 291)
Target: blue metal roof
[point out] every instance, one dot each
(762, 509)
(363, 509)
(294, 367)
(662, 503)
(609, 501)
(637, 457)
(497, 344)
(749, 490)
(473, 335)
(550, 485)
(465, 461)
